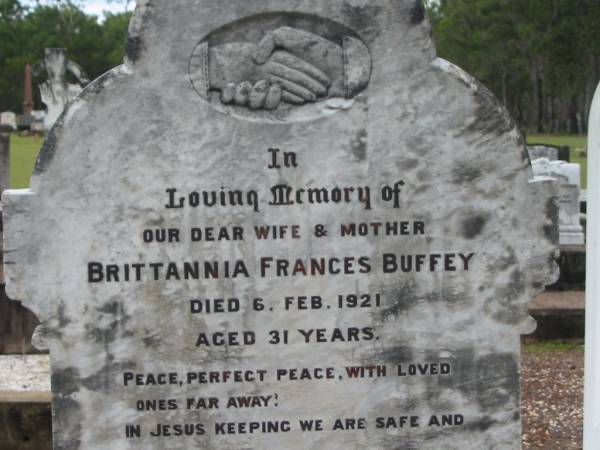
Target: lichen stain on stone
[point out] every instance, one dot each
(48, 149)
(362, 19)
(510, 176)
(409, 164)
(133, 48)
(423, 175)
(510, 314)
(103, 380)
(473, 226)
(422, 189)
(552, 215)
(358, 145)
(61, 317)
(403, 297)
(103, 335)
(517, 279)
(66, 414)
(153, 341)
(453, 294)
(492, 381)
(417, 14)
(492, 118)
(112, 308)
(99, 84)
(507, 311)
(504, 262)
(481, 425)
(108, 333)
(463, 173)
(65, 381)
(394, 355)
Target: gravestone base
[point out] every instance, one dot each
(572, 264)
(17, 325)
(571, 236)
(26, 420)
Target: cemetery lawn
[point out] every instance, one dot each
(578, 143)
(24, 151)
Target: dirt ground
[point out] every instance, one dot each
(552, 405)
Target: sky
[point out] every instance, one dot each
(95, 7)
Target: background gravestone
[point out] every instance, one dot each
(568, 177)
(551, 152)
(9, 119)
(314, 234)
(57, 92)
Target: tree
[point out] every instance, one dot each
(24, 34)
(534, 54)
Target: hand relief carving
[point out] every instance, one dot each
(288, 66)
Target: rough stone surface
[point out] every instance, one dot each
(24, 373)
(412, 138)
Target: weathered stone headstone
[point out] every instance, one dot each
(283, 224)
(569, 180)
(37, 127)
(8, 119)
(57, 92)
(551, 152)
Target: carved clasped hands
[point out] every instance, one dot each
(288, 65)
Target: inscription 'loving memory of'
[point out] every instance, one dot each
(269, 266)
(282, 224)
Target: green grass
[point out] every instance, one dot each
(577, 144)
(544, 346)
(23, 153)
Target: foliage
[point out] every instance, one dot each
(26, 32)
(540, 57)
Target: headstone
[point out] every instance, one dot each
(9, 119)
(38, 114)
(569, 180)
(591, 416)
(283, 224)
(553, 153)
(37, 126)
(57, 92)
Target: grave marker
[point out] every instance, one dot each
(568, 177)
(9, 120)
(283, 224)
(551, 152)
(57, 92)
(591, 427)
